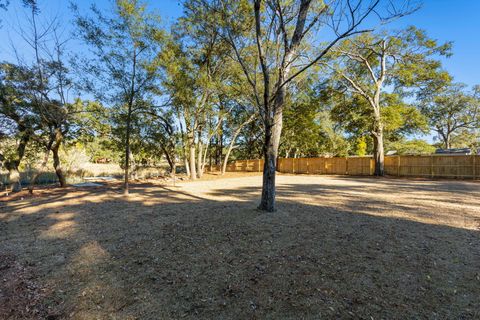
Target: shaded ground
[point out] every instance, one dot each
(338, 247)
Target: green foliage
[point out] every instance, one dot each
(411, 147)
(453, 111)
(185, 87)
(308, 128)
(360, 147)
(400, 119)
(467, 138)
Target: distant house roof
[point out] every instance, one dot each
(466, 151)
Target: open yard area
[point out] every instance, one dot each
(338, 247)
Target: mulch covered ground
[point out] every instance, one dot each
(338, 247)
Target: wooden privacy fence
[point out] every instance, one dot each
(432, 166)
(338, 165)
(255, 165)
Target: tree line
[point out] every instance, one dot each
(228, 79)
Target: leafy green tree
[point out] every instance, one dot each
(43, 83)
(92, 131)
(309, 129)
(122, 69)
(469, 138)
(197, 74)
(410, 147)
(366, 65)
(354, 115)
(453, 113)
(17, 117)
(360, 147)
(281, 33)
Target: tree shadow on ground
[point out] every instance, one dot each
(166, 252)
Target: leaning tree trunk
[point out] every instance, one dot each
(379, 154)
(225, 160)
(56, 159)
(58, 168)
(14, 179)
(236, 133)
(170, 160)
(229, 150)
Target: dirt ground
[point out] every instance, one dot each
(338, 247)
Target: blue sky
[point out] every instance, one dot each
(457, 21)
(445, 20)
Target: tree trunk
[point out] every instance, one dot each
(173, 173)
(267, 202)
(227, 155)
(170, 160)
(220, 147)
(187, 167)
(205, 154)
(14, 179)
(273, 130)
(232, 142)
(193, 171)
(448, 141)
(199, 159)
(13, 164)
(56, 159)
(58, 167)
(379, 155)
(127, 155)
(134, 167)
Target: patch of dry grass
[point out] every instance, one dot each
(338, 247)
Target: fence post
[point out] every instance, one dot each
(398, 165)
(474, 166)
(346, 166)
(308, 170)
(431, 167)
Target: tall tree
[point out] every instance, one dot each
(282, 33)
(399, 119)
(196, 71)
(17, 117)
(121, 67)
(43, 81)
(452, 111)
(309, 130)
(367, 64)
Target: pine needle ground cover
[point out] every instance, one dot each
(338, 247)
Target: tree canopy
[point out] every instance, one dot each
(229, 80)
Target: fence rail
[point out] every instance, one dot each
(432, 166)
